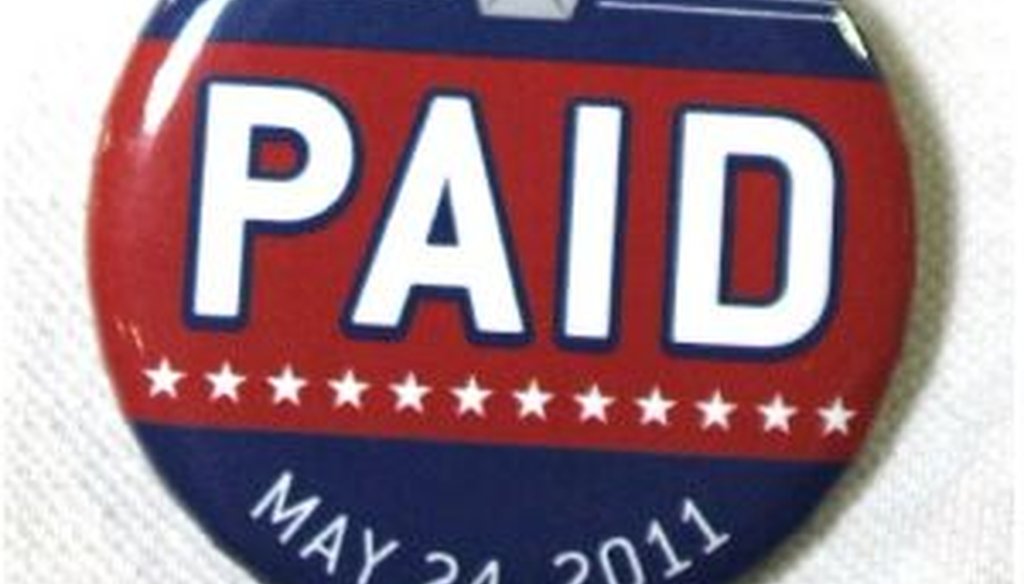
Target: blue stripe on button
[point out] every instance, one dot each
(771, 36)
(522, 505)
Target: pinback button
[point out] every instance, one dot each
(395, 292)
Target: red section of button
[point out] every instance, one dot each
(138, 240)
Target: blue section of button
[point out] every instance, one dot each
(522, 506)
(798, 37)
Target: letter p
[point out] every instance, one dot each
(234, 198)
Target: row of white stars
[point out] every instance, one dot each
(409, 394)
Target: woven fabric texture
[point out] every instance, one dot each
(929, 502)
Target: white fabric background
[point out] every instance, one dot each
(929, 503)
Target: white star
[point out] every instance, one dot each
(716, 412)
(348, 391)
(777, 415)
(654, 408)
(409, 394)
(533, 401)
(471, 398)
(225, 383)
(836, 418)
(287, 386)
(594, 405)
(163, 379)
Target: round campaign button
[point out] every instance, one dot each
(600, 292)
